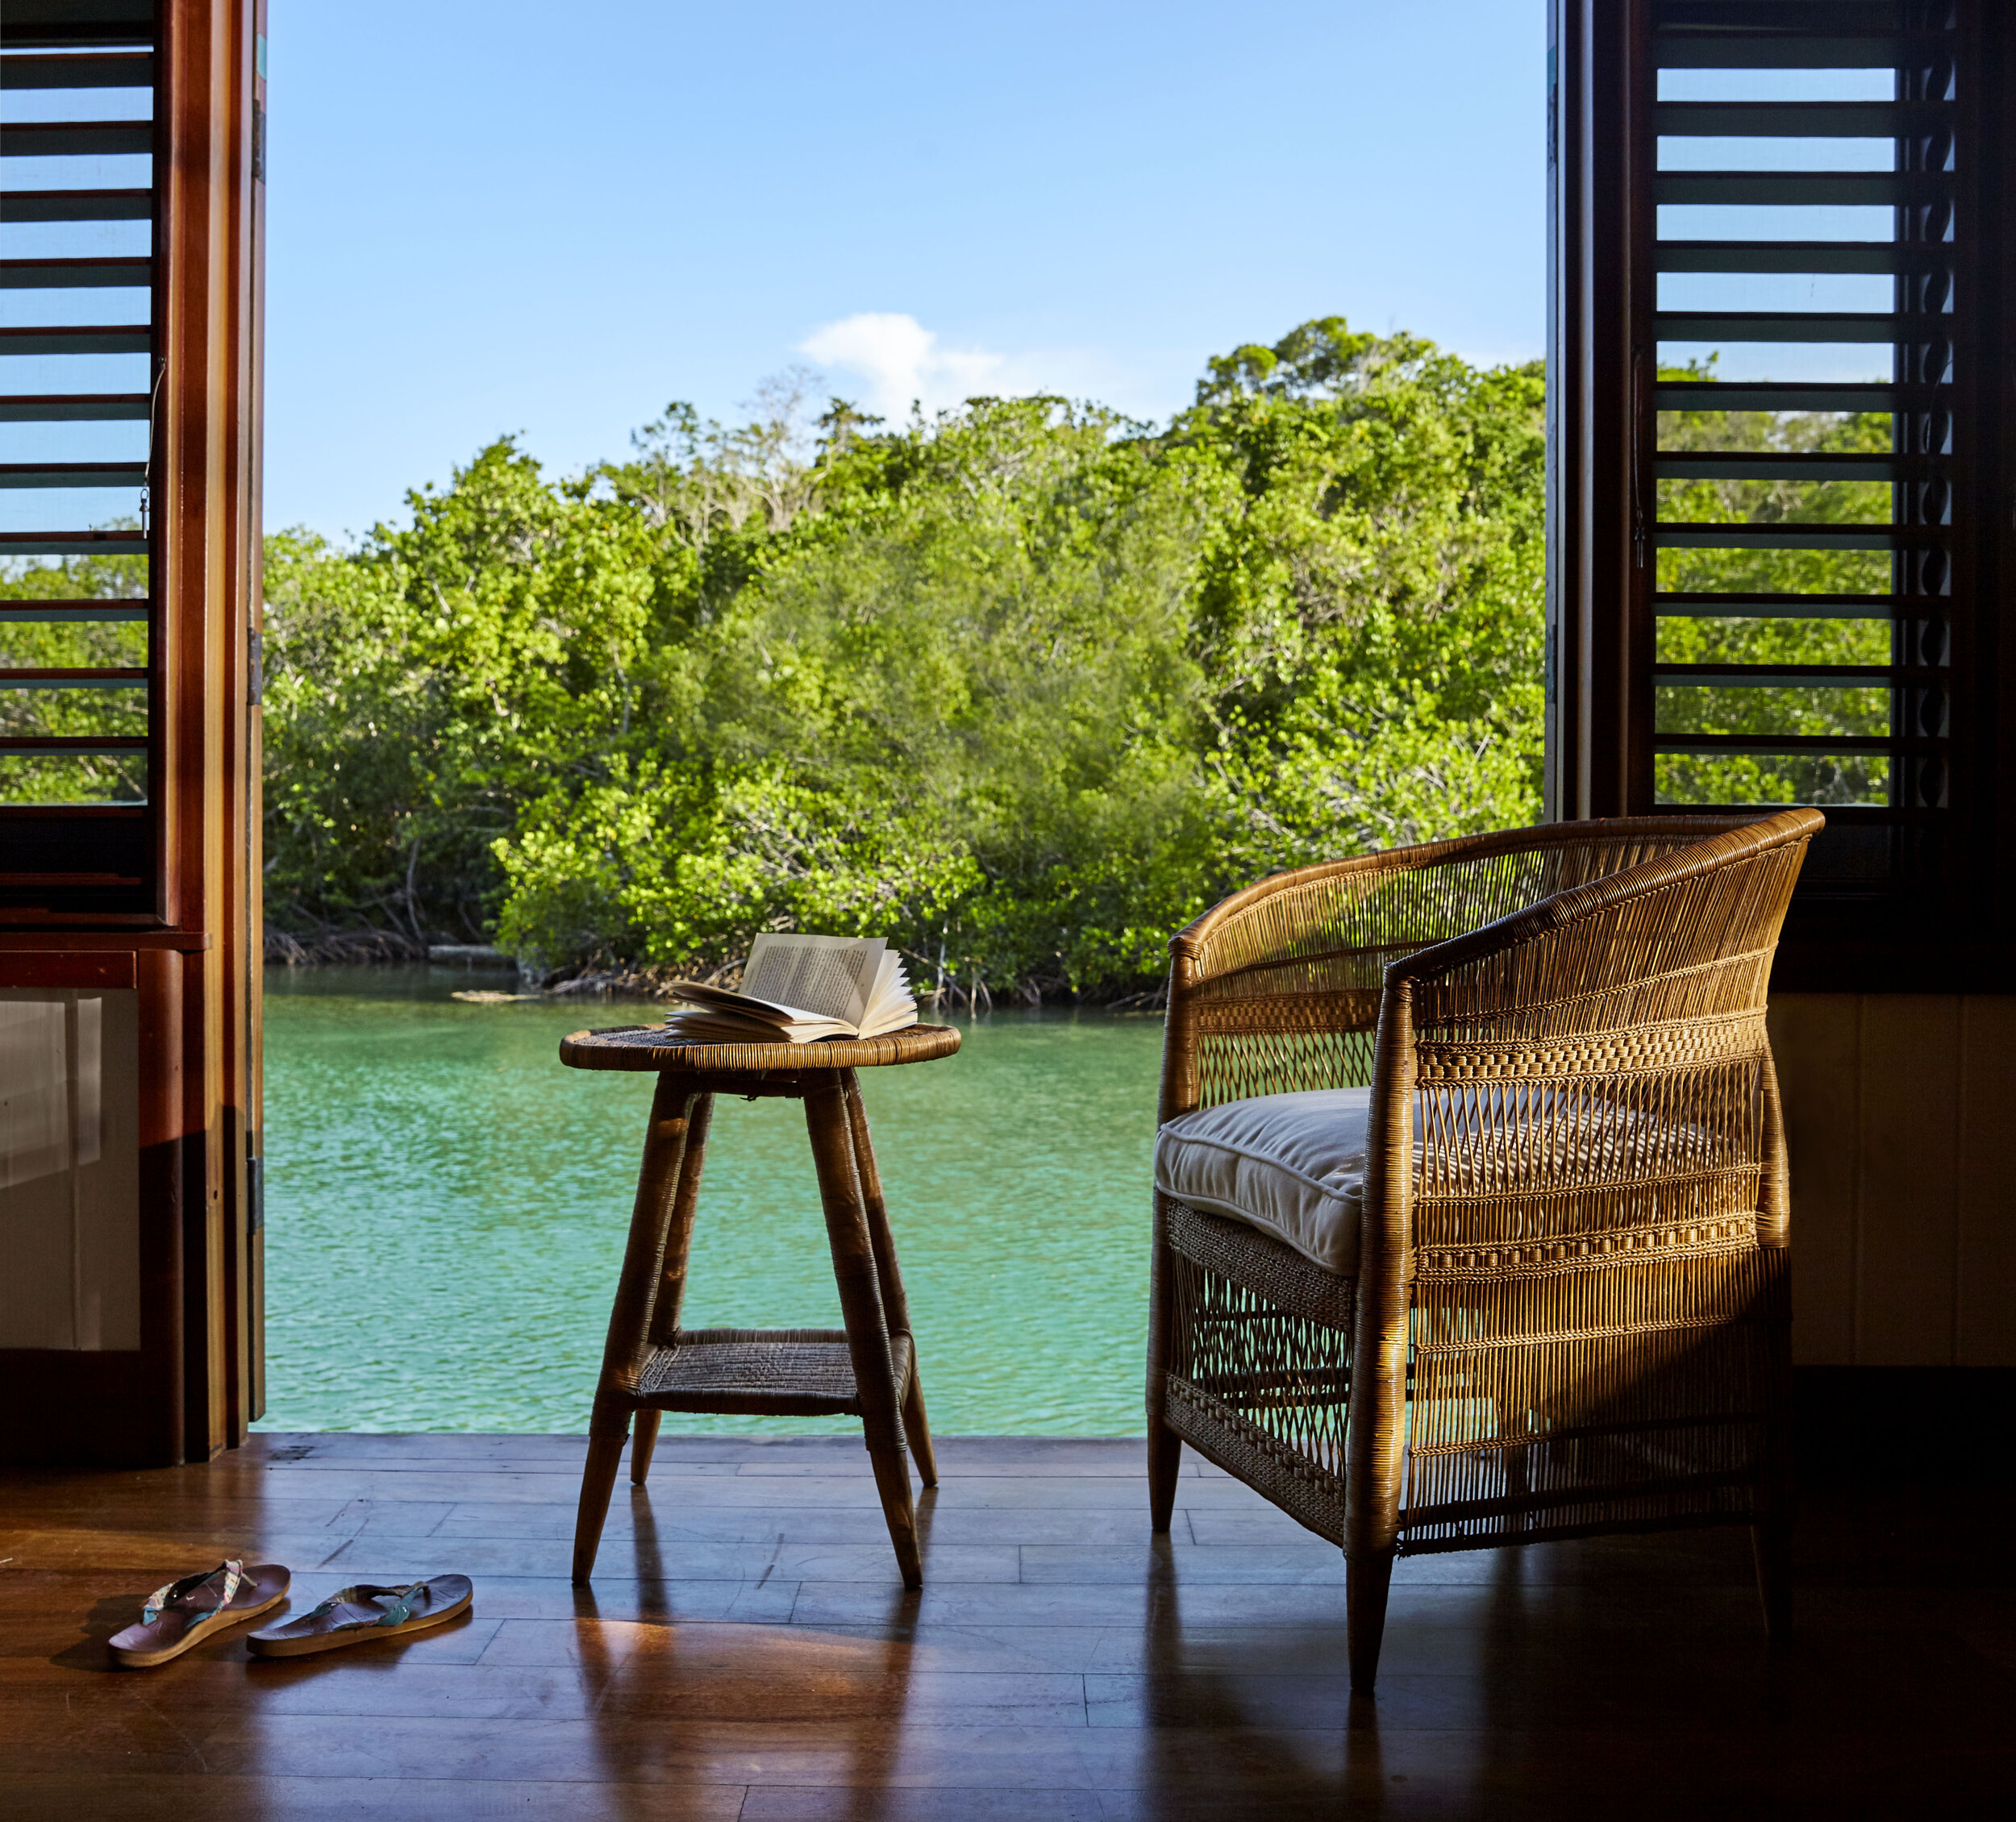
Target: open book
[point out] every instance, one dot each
(796, 989)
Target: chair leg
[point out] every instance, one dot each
(899, 1512)
(916, 1429)
(1771, 1542)
(1368, 1580)
(1165, 1447)
(643, 1439)
(1165, 1461)
(597, 1482)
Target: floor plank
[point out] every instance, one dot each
(747, 1651)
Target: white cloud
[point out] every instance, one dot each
(902, 360)
(889, 358)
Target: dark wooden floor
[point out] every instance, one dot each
(748, 1651)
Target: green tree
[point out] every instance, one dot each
(423, 687)
(1024, 687)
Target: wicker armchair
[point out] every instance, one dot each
(1569, 1309)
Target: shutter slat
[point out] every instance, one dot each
(1785, 676)
(76, 206)
(52, 613)
(1788, 189)
(71, 408)
(132, 338)
(1805, 534)
(1790, 256)
(1763, 744)
(121, 542)
(1687, 51)
(75, 138)
(1782, 325)
(1790, 395)
(1752, 605)
(72, 474)
(1748, 465)
(1819, 120)
(76, 275)
(117, 69)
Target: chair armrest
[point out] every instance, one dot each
(1267, 992)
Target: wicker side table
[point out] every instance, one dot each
(867, 1369)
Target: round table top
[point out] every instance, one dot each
(645, 1046)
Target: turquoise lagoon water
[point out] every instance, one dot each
(446, 1207)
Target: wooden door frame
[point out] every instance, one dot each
(193, 1386)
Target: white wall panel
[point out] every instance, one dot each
(1901, 1117)
(69, 1169)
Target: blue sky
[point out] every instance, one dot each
(491, 217)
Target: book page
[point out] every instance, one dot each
(707, 1025)
(831, 975)
(887, 990)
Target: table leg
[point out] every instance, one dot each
(868, 1339)
(672, 1272)
(895, 1304)
(630, 1318)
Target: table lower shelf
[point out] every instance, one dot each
(761, 1372)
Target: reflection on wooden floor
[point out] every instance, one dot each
(748, 1651)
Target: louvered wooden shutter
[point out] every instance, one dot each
(1779, 353)
(77, 366)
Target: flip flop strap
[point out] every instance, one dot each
(401, 1609)
(362, 1595)
(164, 1597)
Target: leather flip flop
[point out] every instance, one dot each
(186, 1612)
(364, 1614)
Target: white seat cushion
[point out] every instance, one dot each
(1293, 1166)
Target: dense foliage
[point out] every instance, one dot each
(1024, 687)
